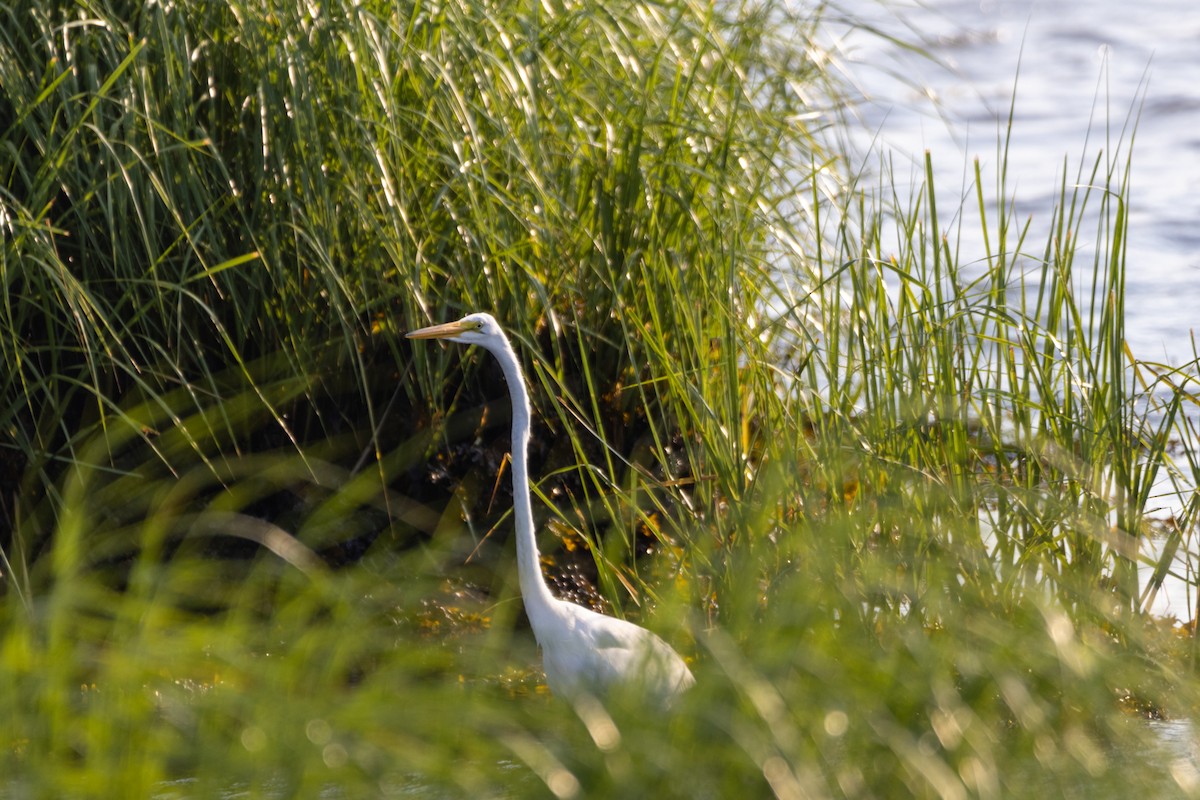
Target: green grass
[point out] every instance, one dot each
(887, 496)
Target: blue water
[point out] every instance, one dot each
(1090, 77)
(1082, 71)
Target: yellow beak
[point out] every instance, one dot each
(443, 331)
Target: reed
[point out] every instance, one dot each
(888, 494)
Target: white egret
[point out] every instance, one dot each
(583, 652)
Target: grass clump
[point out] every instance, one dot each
(894, 496)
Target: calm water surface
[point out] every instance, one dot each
(1089, 77)
(1082, 70)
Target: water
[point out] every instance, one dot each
(1179, 739)
(1086, 68)
(1087, 79)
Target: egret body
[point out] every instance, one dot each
(583, 652)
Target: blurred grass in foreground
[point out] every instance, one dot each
(891, 496)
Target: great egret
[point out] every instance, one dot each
(583, 653)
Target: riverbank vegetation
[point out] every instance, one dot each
(902, 506)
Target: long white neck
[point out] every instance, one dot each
(538, 599)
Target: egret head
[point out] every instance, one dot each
(472, 329)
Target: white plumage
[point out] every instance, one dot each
(582, 651)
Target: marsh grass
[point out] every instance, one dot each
(888, 497)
